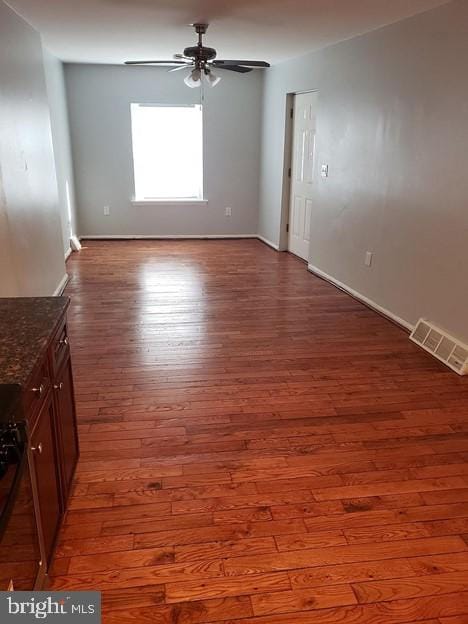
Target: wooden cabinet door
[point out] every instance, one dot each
(66, 427)
(44, 462)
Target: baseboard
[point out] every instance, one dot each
(361, 298)
(68, 254)
(166, 237)
(75, 243)
(61, 287)
(267, 242)
(178, 237)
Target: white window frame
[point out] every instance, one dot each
(147, 201)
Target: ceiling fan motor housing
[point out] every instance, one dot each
(200, 53)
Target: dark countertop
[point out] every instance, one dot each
(26, 327)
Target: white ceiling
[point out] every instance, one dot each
(111, 31)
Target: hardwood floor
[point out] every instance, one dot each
(257, 447)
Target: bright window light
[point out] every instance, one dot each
(167, 152)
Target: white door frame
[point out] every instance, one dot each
(287, 167)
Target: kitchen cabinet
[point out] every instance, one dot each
(44, 464)
(66, 429)
(35, 358)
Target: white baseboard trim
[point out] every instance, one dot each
(61, 287)
(85, 237)
(75, 243)
(363, 299)
(165, 236)
(268, 242)
(68, 254)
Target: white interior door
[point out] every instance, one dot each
(302, 173)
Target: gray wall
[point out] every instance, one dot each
(393, 127)
(99, 107)
(31, 253)
(55, 81)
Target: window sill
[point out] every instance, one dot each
(167, 202)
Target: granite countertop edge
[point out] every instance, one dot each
(27, 324)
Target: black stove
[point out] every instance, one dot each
(10, 437)
(9, 402)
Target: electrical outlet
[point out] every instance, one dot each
(106, 211)
(228, 211)
(324, 171)
(368, 258)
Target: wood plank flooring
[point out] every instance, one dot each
(257, 447)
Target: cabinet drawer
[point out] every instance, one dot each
(60, 348)
(36, 392)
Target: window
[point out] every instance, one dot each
(167, 152)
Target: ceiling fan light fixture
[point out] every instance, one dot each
(193, 80)
(212, 79)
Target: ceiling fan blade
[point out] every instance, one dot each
(243, 63)
(179, 67)
(235, 68)
(167, 63)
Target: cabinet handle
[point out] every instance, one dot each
(37, 448)
(39, 391)
(64, 341)
(58, 386)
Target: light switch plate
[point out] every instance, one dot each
(324, 171)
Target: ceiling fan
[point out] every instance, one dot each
(201, 61)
